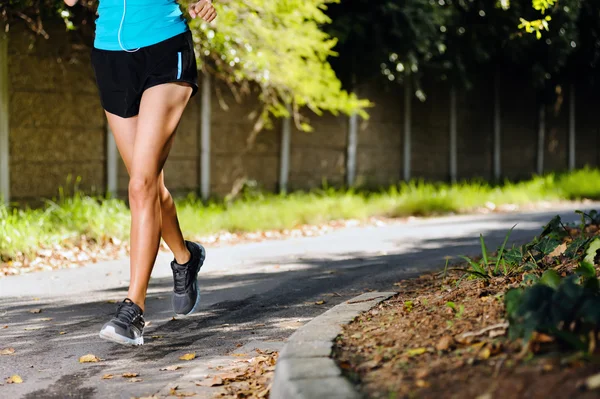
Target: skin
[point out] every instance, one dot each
(144, 142)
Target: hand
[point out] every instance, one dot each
(203, 9)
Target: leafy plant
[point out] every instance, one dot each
(567, 309)
(490, 265)
(458, 310)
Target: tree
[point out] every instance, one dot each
(276, 45)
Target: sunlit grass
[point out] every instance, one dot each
(72, 218)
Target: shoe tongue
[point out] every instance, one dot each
(129, 302)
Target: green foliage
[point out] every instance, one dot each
(71, 216)
(458, 310)
(275, 45)
(489, 265)
(568, 310)
(280, 47)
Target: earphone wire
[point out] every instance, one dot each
(121, 28)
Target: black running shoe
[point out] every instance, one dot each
(186, 294)
(127, 326)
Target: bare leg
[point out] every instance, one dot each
(160, 112)
(124, 131)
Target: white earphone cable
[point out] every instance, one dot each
(121, 28)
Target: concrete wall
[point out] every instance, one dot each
(57, 128)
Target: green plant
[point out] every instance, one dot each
(490, 265)
(568, 310)
(458, 310)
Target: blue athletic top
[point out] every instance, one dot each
(130, 24)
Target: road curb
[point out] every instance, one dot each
(305, 369)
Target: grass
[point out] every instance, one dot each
(73, 218)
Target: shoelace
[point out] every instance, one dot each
(180, 279)
(126, 312)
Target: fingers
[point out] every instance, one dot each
(203, 9)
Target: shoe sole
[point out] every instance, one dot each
(110, 334)
(202, 259)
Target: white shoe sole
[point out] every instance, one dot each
(110, 334)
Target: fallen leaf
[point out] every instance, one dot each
(188, 356)
(135, 380)
(170, 368)
(416, 352)
(35, 311)
(107, 376)
(593, 382)
(230, 376)
(157, 336)
(445, 343)
(32, 328)
(62, 332)
(558, 250)
(240, 354)
(320, 303)
(7, 351)
(111, 301)
(15, 379)
(45, 319)
(422, 384)
(89, 359)
(210, 383)
(5, 327)
(130, 375)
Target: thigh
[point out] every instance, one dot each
(124, 130)
(161, 108)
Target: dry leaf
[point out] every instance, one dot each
(89, 359)
(558, 250)
(188, 356)
(240, 354)
(62, 332)
(45, 319)
(210, 383)
(5, 327)
(107, 376)
(170, 368)
(32, 328)
(7, 351)
(35, 311)
(422, 384)
(230, 376)
(135, 380)
(130, 375)
(445, 343)
(416, 352)
(157, 336)
(15, 379)
(320, 303)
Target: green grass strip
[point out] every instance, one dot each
(65, 220)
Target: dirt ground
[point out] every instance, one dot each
(437, 339)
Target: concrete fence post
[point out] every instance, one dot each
(4, 125)
(541, 139)
(284, 160)
(408, 95)
(453, 137)
(205, 119)
(572, 132)
(497, 129)
(351, 150)
(112, 163)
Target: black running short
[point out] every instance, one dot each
(123, 76)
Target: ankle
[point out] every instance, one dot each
(183, 257)
(141, 302)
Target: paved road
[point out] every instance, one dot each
(253, 294)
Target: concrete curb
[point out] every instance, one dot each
(305, 369)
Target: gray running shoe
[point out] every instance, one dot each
(127, 326)
(186, 293)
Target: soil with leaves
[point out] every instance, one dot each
(522, 322)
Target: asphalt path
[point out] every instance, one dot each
(252, 295)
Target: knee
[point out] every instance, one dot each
(142, 188)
